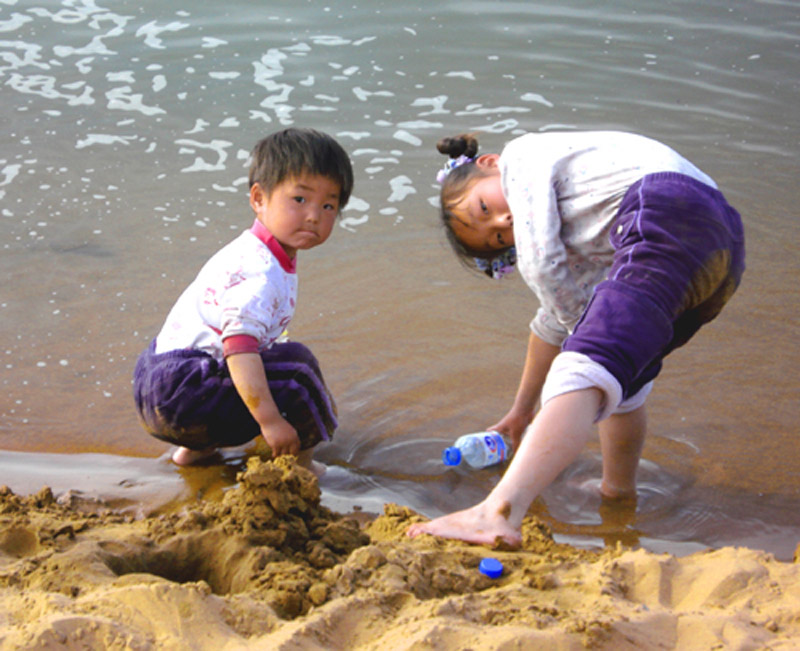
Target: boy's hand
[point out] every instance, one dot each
(282, 438)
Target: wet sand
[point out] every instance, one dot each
(268, 566)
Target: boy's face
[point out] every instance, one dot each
(300, 212)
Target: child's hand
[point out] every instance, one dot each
(513, 425)
(282, 438)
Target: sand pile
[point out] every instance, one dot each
(269, 567)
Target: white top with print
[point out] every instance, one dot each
(249, 287)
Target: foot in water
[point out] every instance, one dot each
(186, 457)
(474, 525)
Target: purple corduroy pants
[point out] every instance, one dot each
(678, 258)
(186, 397)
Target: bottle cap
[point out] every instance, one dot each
(451, 456)
(491, 567)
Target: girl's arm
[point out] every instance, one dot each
(537, 363)
(250, 379)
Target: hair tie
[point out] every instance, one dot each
(450, 165)
(501, 265)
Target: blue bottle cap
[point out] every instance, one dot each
(451, 456)
(491, 567)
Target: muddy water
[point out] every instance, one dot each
(124, 140)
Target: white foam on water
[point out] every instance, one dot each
(211, 42)
(330, 41)
(401, 187)
(366, 95)
(436, 103)
(200, 165)
(420, 125)
(479, 109)
(199, 126)
(407, 137)
(535, 97)
(353, 135)
(124, 76)
(15, 22)
(466, 74)
(320, 109)
(349, 223)
(220, 188)
(9, 173)
(260, 115)
(45, 86)
(29, 55)
(502, 126)
(152, 32)
(124, 99)
(225, 75)
(104, 139)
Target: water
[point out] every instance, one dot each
(125, 132)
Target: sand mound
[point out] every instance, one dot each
(269, 567)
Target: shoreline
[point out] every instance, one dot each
(144, 485)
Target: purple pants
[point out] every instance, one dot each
(187, 398)
(678, 258)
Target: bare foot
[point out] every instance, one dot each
(609, 492)
(473, 525)
(304, 459)
(186, 457)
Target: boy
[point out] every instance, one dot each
(216, 375)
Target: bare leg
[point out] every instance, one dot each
(621, 441)
(553, 441)
(186, 457)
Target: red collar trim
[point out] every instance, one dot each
(288, 264)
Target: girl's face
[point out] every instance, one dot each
(482, 220)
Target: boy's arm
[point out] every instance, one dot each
(250, 380)
(539, 357)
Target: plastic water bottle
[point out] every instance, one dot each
(479, 449)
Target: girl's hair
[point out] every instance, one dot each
(455, 184)
(292, 152)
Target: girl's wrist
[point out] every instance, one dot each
(524, 407)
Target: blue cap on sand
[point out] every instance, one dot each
(491, 567)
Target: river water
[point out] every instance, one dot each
(125, 132)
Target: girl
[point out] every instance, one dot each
(630, 249)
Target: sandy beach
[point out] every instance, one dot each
(267, 566)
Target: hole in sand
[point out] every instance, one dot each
(228, 565)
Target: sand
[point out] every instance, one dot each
(268, 566)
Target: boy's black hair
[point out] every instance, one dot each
(293, 152)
